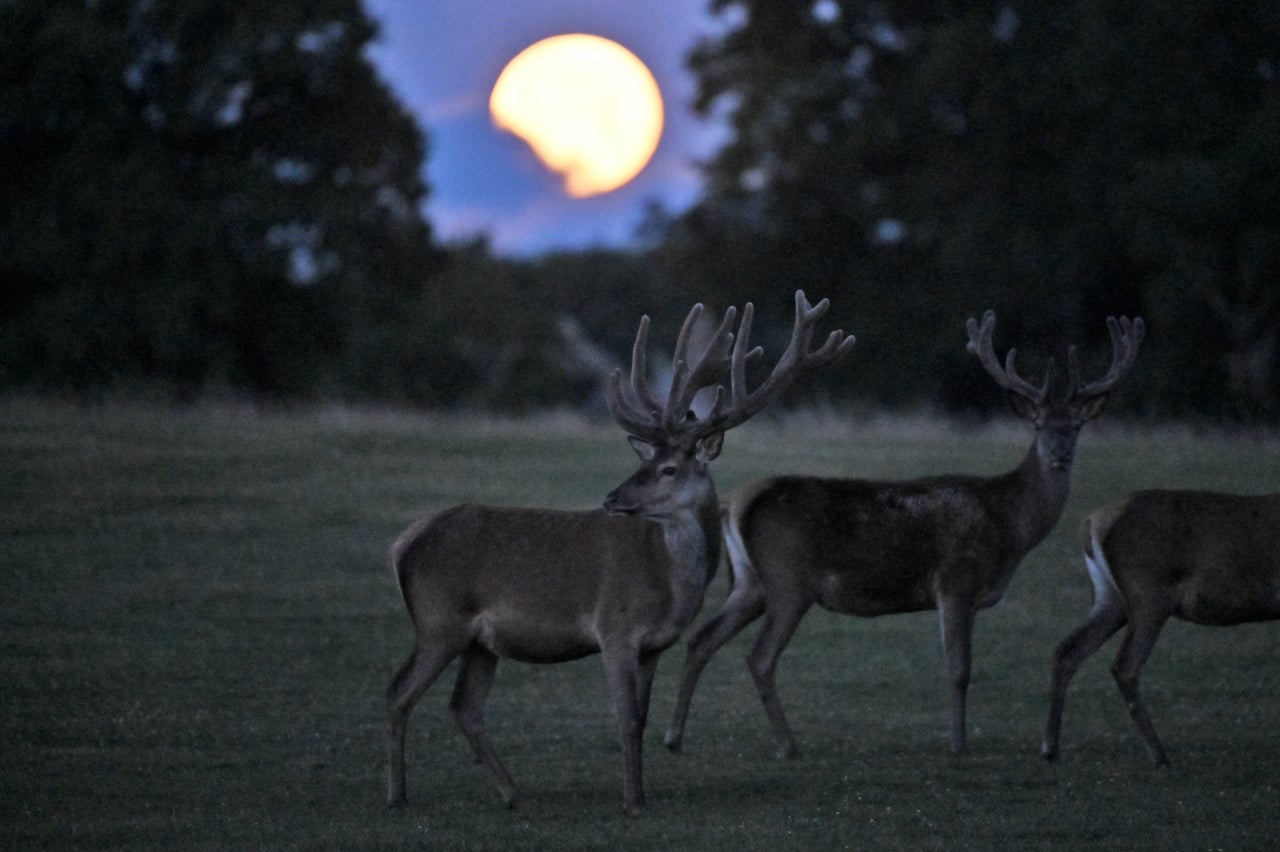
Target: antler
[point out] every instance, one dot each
(1126, 337)
(796, 359)
(1007, 376)
(715, 362)
(638, 411)
(634, 406)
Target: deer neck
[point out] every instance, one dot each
(1035, 495)
(692, 538)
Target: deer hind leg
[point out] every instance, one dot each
(780, 623)
(407, 686)
(1104, 620)
(475, 677)
(956, 623)
(1144, 629)
(744, 604)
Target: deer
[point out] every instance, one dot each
(539, 585)
(868, 548)
(1203, 557)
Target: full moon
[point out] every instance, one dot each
(587, 107)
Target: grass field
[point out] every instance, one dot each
(199, 622)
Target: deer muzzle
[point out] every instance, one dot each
(614, 505)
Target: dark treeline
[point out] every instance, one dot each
(199, 197)
(200, 200)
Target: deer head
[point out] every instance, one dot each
(674, 445)
(1057, 422)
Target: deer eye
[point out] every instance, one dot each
(669, 470)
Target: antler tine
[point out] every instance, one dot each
(679, 356)
(708, 370)
(836, 344)
(633, 405)
(639, 368)
(980, 344)
(1024, 387)
(1126, 337)
(632, 420)
(797, 354)
(637, 411)
(794, 360)
(1006, 376)
(738, 364)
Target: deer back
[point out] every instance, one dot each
(544, 585)
(1207, 557)
(872, 548)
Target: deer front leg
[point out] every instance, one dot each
(955, 615)
(630, 675)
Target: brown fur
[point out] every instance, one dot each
(868, 548)
(1199, 556)
(483, 583)
(545, 586)
(864, 548)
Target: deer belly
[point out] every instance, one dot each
(1223, 610)
(529, 639)
(865, 594)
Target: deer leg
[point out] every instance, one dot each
(625, 671)
(956, 617)
(406, 687)
(1144, 629)
(475, 677)
(743, 605)
(1103, 622)
(644, 685)
(780, 623)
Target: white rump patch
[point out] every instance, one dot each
(1104, 584)
(739, 562)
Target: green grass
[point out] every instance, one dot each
(198, 623)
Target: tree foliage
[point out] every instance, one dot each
(200, 197)
(1056, 161)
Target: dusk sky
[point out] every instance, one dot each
(441, 60)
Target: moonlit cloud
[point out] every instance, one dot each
(442, 58)
(458, 106)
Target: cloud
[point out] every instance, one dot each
(458, 106)
(443, 57)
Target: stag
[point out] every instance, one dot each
(547, 586)
(1199, 556)
(949, 543)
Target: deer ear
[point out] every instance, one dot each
(645, 450)
(709, 447)
(1091, 407)
(1022, 406)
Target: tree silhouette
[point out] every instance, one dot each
(199, 194)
